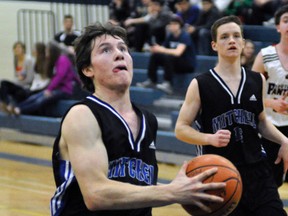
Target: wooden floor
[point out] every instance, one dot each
(26, 181)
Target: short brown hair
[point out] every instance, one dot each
(222, 21)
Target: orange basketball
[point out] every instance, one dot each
(228, 173)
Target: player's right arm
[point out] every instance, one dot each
(187, 115)
(82, 145)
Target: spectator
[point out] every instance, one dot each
(200, 32)
(177, 55)
(248, 54)
(23, 71)
(11, 93)
(156, 20)
(62, 72)
(119, 11)
(67, 36)
(272, 62)
(187, 11)
(104, 160)
(137, 34)
(23, 65)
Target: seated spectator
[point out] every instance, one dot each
(23, 65)
(200, 32)
(119, 11)
(187, 11)
(12, 93)
(248, 54)
(177, 55)
(62, 72)
(67, 36)
(155, 21)
(23, 70)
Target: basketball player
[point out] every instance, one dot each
(272, 62)
(104, 156)
(228, 102)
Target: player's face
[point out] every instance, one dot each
(229, 42)
(282, 28)
(111, 64)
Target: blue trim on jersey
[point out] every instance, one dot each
(57, 203)
(130, 135)
(223, 84)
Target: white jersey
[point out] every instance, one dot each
(277, 83)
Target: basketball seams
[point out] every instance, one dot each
(211, 166)
(224, 206)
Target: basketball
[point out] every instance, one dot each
(227, 173)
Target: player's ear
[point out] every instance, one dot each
(214, 45)
(88, 71)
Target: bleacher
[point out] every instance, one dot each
(43, 129)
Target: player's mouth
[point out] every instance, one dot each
(119, 68)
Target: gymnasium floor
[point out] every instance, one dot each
(26, 181)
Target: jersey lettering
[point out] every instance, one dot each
(238, 116)
(136, 169)
(274, 89)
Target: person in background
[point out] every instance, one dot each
(68, 35)
(156, 20)
(272, 62)
(62, 73)
(187, 11)
(227, 103)
(23, 65)
(200, 31)
(23, 72)
(11, 93)
(248, 54)
(104, 160)
(176, 55)
(119, 11)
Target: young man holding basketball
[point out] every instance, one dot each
(104, 159)
(227, 103)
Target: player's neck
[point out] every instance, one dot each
(228, 66)
(282, 46)
(117, 99)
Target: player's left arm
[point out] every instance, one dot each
(270, 132)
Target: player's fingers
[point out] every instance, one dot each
(213, 186)
(202, 206)
(207, 173)
(278, 160)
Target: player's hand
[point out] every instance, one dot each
(191, 190)
(220, 139)
(280, 105)
(283, 155)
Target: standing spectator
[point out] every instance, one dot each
(67, 36)
(104, 160)
(227, 101)
(62, 72)
(200, 31)
(157, 18)
(248, 54)
(119, 11)
(187, 11)
(12, 93)
(272, 62)
(177, 55)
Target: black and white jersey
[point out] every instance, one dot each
(220, 109)
(131, 161)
